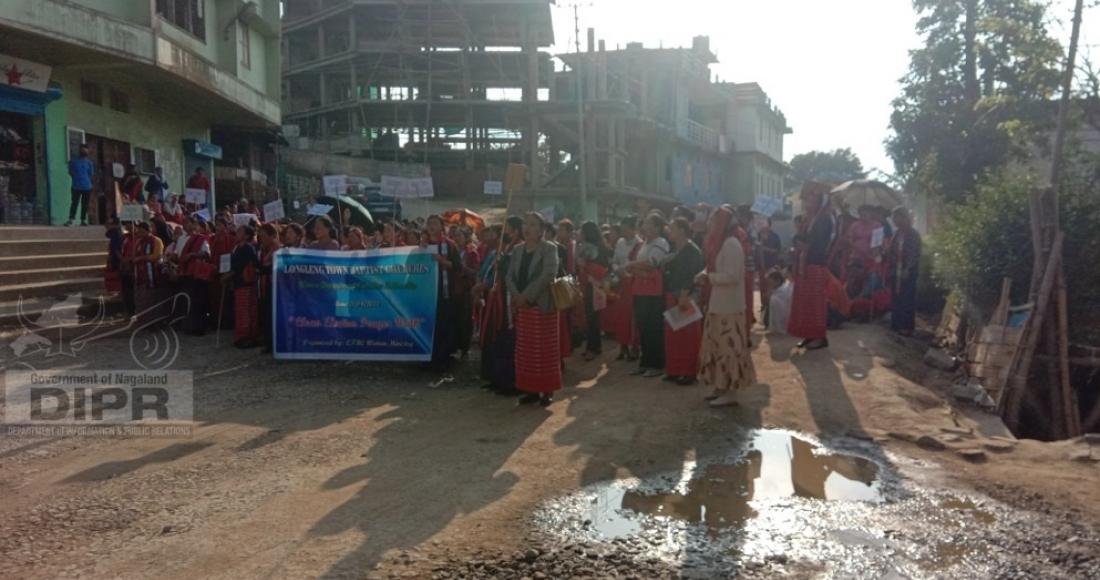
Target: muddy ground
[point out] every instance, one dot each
(352, 470)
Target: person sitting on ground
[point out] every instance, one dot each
(779, 302)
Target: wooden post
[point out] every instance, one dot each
(1069, 397)
(1036, 213)
(1022, 369)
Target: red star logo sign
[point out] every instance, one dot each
(15, 76)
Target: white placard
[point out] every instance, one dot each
(878, 236)
(335, 184)
(24, 74)
(244, 219)
(131, 212)
(494, 188)
(424, 186)
(319, 209)
(194, 195)
(203, 213)
(273, 211)
(225, 264)
(400, 187)
(118, 170)
(767, 206)
(297, 204)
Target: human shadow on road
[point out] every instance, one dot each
(424, 470)
(831, 405)
(114, 469)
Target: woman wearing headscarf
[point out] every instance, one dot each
(531, 272)
(809, 307)
(649, 298)
(593, 265)
(725, 363)
(682, 346)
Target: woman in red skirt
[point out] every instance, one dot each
(244, 263)
(622, 313)
(809, 306)
(682, 346)
(531, 272)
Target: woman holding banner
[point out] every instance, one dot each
(269, 244)
(447, 258)
(531, 271)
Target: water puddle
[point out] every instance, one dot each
(776, 465)
(771, 497)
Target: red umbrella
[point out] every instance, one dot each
(464, 217)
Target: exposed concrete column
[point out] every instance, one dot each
(612, 152)
(601, 72)
(321, 40)
(322, 89)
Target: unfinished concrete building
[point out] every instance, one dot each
(449, 83)
(658, 132)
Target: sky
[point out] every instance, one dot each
(831, 66)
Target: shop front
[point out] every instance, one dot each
(25, 96)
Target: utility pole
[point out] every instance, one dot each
(582, 137)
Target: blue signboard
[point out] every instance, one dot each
(373, 305)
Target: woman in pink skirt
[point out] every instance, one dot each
(531, 272)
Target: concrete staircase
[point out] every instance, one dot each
(52, 269)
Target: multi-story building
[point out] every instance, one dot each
(179, 84)
(758, 134)
(658, 131)
(448, 84)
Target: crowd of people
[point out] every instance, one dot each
(674, 291)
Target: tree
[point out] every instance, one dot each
(975, 95)
(835, 166)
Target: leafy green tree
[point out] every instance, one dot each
(835, 166)
(976, 93)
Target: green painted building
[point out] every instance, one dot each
(172, 83)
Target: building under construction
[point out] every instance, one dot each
(450, 83)
(657, 131)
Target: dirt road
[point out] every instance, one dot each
(353, 470)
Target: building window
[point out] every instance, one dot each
(189, 15)
(119, 101)
(77, 138)
(91, 92)
(145, 160)
(245, 45)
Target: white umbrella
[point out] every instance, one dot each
(861, 192)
